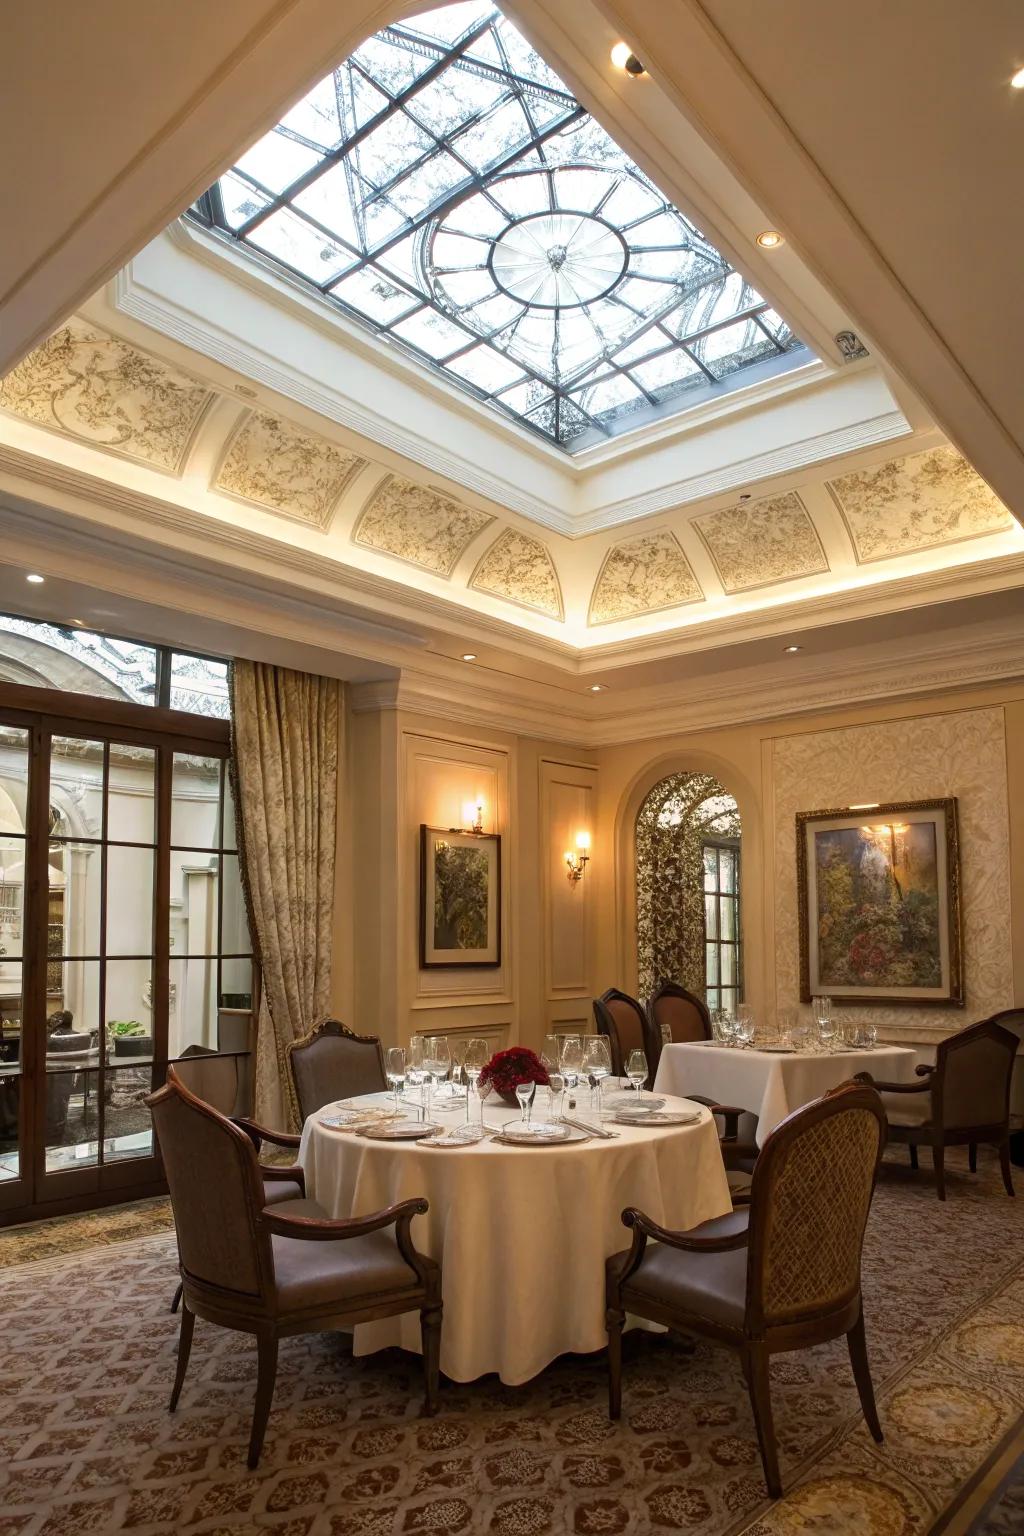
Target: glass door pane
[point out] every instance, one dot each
(14, 769)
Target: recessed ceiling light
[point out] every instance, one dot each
(791, 650)
(35, 578)
(770, 240)
(623, 57)
(597, 687)
(469, 656)
(1017, 80)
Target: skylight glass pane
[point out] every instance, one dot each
(457, 196)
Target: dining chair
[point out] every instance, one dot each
(331, 1063)
(779, 1274)
(678, 1017)
(964, 1099)
(214, 1078)
(622, 1019)
(281, 1270)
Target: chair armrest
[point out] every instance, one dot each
(399, 1216)
(260, 1133)
(644, 1228)
(730, 1114)
(865, 1077)
(925, 1069)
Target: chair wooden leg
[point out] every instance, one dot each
(755, 1369)
(614, 1319)
(176, 1303)
(188, 1321)
(939, 1160)
(266, 1377)
(1004, 1164)
(862, 1376)
(972, 1156)
(913, 1154)
(430, 1331)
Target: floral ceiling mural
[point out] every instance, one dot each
(418, 524)
(643, 575)
(757, 542)
(92, 386)
(286, 469)
(917, 502)
(520, 569)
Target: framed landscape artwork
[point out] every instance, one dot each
(460, 898)
(879, 897)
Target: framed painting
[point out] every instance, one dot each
(879, 898)
(460, 898)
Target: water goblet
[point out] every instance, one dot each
(745, 1026)
(415, 1071)
(571, 1062)
(525, 1093)
(457, 1047)
(597, 1064)
(636, 1071)
(473, 1063)
(549, 1052)
(394, 1067)
(556, 1086)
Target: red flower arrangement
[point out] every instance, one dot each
(507, 1069)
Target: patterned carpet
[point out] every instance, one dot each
(87, 1447)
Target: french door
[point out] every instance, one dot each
(123, 938)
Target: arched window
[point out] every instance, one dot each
(688, 889)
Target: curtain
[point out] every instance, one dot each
(285, 729)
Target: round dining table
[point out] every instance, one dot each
(521, 1233)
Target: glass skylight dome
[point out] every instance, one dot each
(444, 186)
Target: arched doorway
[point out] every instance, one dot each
(688, 889)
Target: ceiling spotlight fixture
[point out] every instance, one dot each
(597, 687)
(623, 57)
(744, 496)
(35, 578)
(791, 650)
(770, 239)
(1017, 80)
(469, 656)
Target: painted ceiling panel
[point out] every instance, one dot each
(757, 542)
(915, 503)
(419, 525)
(519, 567)
(643, 575)
(280, 466)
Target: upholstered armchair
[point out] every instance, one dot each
(677, 1016)
(780, 1274)
(626, 1025)
(964, 1099)
(331, 1063)
(280, 1270)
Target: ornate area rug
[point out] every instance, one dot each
(87, 1447)
(59, 1235)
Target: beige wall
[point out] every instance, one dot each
(562, 944)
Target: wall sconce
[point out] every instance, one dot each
(473, 817)
(577, 862)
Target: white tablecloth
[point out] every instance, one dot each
(772, 1085)
(522, 1233)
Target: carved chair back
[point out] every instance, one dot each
(971, 1081)
(332, 1062)
(809, 1202)
(622, 1019)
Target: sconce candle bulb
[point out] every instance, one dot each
(577, 862)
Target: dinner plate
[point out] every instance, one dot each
(541, 1134)
(619, 1101)
(399, 1130)
(659, 1117)
(461, 1136)
(351, 1119)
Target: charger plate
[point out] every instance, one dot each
(618, 1101)
(659, 1117)
(398, 1130)
(544, 1133)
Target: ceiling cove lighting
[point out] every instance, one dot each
(444, 188)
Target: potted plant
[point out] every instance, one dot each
(128, 1037)
(507, 1069)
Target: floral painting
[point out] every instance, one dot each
(879, 895)
(460, 898)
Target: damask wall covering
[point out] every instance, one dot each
(671, 825)
(921, 758)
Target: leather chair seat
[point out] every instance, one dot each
(712, 1285)
(309, 1273)
(277, 1190)
(907, 1108)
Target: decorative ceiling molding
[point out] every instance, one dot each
(756, 543)
(274, 464)
(915, 503)
(95, 388)
(520, 569)
(643, 575)
(419, 525)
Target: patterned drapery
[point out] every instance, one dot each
(671, 826)
(285, 731)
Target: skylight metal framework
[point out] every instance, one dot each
(443, 186)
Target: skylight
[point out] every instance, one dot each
(446, 188)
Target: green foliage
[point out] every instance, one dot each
(460, 897)
(872, 932)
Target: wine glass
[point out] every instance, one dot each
(414, 1068)
(457, 1047)
(823, 1017)
(556, 1084)
(436, 1061)
(745, 1025)
(473, 1063)
(571, 1061)
(597, 1064)
(636, 1070)
(525, 1093)
(394, 1067)
(549, 1053)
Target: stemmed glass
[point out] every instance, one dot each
(473, 1063)
(571, 1061)
(394, 1067)
(597, 1064)
(525, 1093)
(457, 1048)
(415, 1069)
(636, 1071)
(824, 1020)
(745, 1026)
(436, 1062)
(556, 1085)
(549, 1053)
